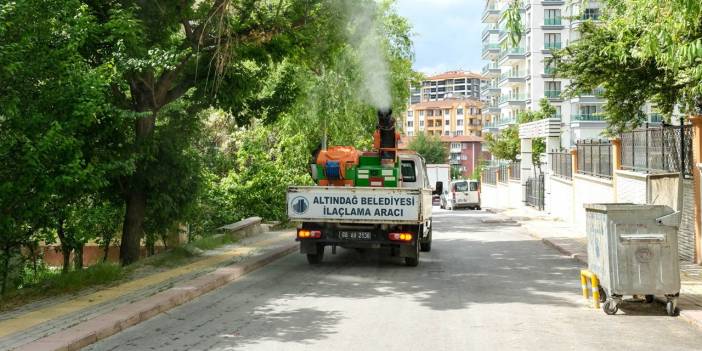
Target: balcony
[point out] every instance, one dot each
(555, 45)
(512, 76)
(553, 22)
(512, 54)
(491, 70)
(505, 121)
(491, 14)
(553, 94)
(492, 28)
(490, 50)
(587, 118)
(518, 99)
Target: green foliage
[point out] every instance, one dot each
(538, 147)
(546, 110)
(638, 52)
(430, 147)
(505, 145)
(513, 22)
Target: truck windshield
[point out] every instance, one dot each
(460, 186)
(408, 172)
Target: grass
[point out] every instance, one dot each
(49, 282)
(52, 282)
(214, 241)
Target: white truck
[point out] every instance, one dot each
(439, 173)
(367, 217)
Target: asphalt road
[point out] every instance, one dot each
(484, 286)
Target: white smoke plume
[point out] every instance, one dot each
(365, 37)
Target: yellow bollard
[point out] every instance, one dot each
(594, 282)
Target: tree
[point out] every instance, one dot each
(59, 137)
(430, 147)
(638, 52)
(505, 145)
(200, 54)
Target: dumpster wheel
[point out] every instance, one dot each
(610, 307)
(671, 306)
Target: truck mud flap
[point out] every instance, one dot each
(308, 247)
(409, 250)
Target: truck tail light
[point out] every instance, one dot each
(400, 236)
(309, 234)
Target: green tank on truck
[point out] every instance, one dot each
(397, 218)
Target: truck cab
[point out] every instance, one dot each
(368, 217)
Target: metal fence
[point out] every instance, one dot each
(515, 171)
(502, 176)
(562, 164)
(535, 191)
(595, 158)
(489, 175)
(657, 149)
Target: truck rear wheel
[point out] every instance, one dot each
(413, 261)
(426, 245)
(316, 258)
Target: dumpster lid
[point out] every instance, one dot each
(606, 207)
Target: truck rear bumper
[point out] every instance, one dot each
(313, 246)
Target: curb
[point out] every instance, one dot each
(123, 317)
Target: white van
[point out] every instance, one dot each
(461, 193)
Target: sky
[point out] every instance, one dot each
(447, 34)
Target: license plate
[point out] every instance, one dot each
(355, 235)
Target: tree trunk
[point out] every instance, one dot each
(135, 196)
(5, 268)
(65, 247)
(106, 249)
(78, 257)
(133, 227)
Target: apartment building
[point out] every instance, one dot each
(451, 84)
(448, 117)
(518, 77)
(464, 152)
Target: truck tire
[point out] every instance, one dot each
(413, 261)
(426, 245)
(316, 258)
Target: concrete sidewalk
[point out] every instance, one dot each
(73, 321)
(573, 243)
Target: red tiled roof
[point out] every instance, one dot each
(455, 74)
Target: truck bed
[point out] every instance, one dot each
(358, 204)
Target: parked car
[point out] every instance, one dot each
(461, 193)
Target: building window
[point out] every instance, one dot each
(459, 122)
(421, 113)
(552, 17)
(593, 14)
(459, 81)
(410, 114)
(552, 89)
(552, 41)
(446, 133)
(421, 123)
(447, 113)
(430, 113)
(410, 124)
(459, 133)
(448, 122)
(410, 133)
(459, 111)
(455, 146)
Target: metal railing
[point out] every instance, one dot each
(489, 175)
(552, 94)
(587, 117)
(552, 45)
(515, 171)
(552, 21)
(561, 164)
(502, 175)
(595, 158)
(658, 149)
